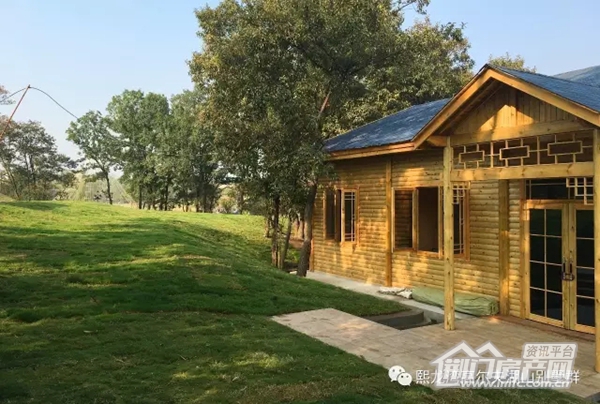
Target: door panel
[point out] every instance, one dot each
(582, 290)
(546, 251)
(561, 264)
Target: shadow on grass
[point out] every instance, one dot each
(106, 305)
(40, 206)
(142, 265)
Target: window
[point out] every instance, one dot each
(403, 218)
(461, 220)
(350, 216)
(428, 219)
(330, 214)
(333, 215)
(418, 220)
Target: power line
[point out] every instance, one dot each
(56, 102)
(13, 94)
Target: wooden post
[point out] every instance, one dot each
(448, 242)
(597, 241)
(388, 221)
(503, 261)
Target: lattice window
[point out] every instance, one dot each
(574, 189)
(460, 200)
(583, 189)
(573, 147)
(350, 216)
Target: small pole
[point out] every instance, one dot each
(13, 113)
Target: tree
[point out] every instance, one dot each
(142, 122)
(35, 169)
(3, 95)
(198, 174)
(516, 63)
(98, 145)
(304, 63)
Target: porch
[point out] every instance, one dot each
(415, 348)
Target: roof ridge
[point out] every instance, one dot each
(545, 75)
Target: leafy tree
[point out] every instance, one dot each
(142, 122)
(3, 95)
(98, 145)
(35, 169)
(304, 64)
(198, 174)
(517, 62)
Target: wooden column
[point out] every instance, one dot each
(388, 222)
(448, 242)
(597, 241)
(503, 260)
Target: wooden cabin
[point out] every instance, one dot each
(491, 193)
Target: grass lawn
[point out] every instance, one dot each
(103, 304)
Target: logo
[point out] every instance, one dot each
(542, 365)
(398, 374)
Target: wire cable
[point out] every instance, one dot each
(13, 94)
(56, 102)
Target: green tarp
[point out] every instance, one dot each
(463, 302)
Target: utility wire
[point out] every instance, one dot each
(13, 94)
(43, 92)
(56, 102)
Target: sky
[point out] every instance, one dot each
(83, 52)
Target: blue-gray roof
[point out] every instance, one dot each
(583, 94)
(396, 128)
(580, 86)
(589, 75)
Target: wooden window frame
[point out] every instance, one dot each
(343, 240)
(339, 228)
(412, 216)
(464, 255)
(326, 236)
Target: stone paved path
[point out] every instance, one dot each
(415, 348)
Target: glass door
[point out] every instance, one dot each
(561, 264)
(581, 262)
(547, 258)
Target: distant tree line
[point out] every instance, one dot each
(164, 151)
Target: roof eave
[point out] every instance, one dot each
(371, 151)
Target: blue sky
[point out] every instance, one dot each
(84, 52)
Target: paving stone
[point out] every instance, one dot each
(415, 348)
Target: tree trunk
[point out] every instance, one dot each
(110, 201)
(140, 203)
(286, 243)
(275, 235)
(267, 226)
(166, 197)
(303, 264)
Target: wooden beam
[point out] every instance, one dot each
(503, 233)
(388, 222)
(597, 242)
(437, 141)
(371, 151)
(448, 242)
(527, 172)
(535, 129)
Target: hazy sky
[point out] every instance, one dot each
(83, 52)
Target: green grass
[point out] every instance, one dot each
(103, 304)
